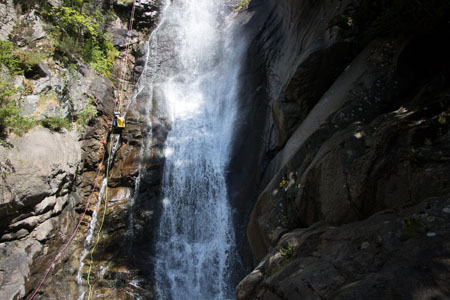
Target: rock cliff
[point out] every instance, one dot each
(48, 173)
(341, 156)
(339, 169)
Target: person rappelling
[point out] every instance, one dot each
(118, 125)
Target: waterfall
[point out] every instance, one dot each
(88, 240)
(197, 75)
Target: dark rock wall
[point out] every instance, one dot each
(335, 128)
(290, 43)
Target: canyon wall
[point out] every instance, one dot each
(341, 156)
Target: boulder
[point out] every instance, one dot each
(36, 174)
(89, 87)
(15, 267)
(381, 257)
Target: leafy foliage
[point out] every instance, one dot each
(56, 123)
(77, 33)
(86, 115)
(287, 250)
(10, 116)
(16, 60)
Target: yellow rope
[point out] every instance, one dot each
(102, 221)
(130, 28)
(108, 161)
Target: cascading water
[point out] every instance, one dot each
(195, 246)
(87, 242)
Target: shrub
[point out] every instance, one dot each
(7, 58)
(79, 34)
(16, 60)
(88, 113)
(242, 4)
(102, 58)
(27, 59)
(10, 118)
(56, 123)
(411, 228)
(287, 250)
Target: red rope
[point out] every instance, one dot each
(130, 28)
(73, 234)
(130, 25)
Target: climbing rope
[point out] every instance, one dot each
(120, 88)
(77, 227)
(125, 61)
(91, 262)
(73, 233)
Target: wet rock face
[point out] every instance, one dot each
(336, 133)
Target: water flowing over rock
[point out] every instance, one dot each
(194, 254)
(299, 147)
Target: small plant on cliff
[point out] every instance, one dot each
(102, 58)
(7, 59)
(283, 182)
(17, 62)
(288, 250)
(12, 120)
(411, 228)
(88, 114)
(56, 123)
(242, 4)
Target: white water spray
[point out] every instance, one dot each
(87, 242)
(195, 243)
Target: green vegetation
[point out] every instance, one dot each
(16, 60)
(411, 228)
(288, 250)
(242, 4)
(7, 59)
(283, 182)
(56, 123)
(10, 117)
(77, 34)
(287, 253)
(88, 113)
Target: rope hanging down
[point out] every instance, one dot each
(120, 88)
(74, 232)
(125, 61)
(83, 215)
(91, 262)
